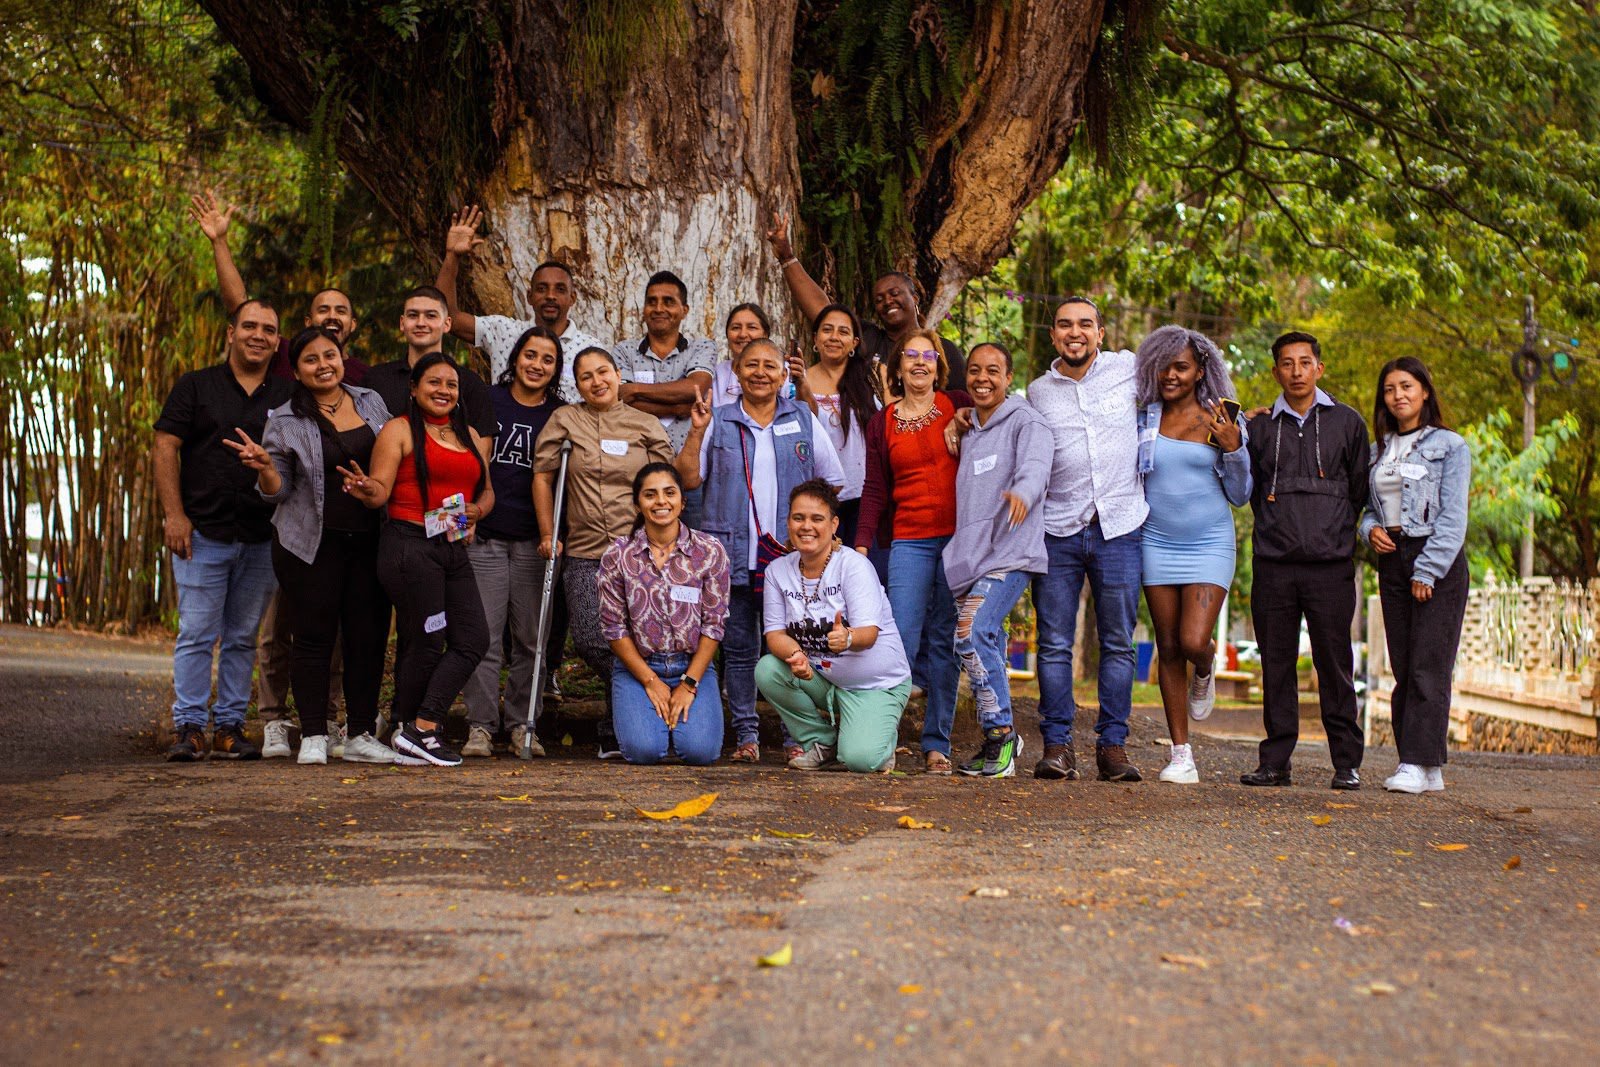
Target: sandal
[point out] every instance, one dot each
(746, 752)
(935, 763)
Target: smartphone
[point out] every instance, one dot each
(1230, 412)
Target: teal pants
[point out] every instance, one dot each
(861, 725)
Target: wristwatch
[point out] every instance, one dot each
(691, 682)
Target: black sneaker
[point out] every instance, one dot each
(189, 747)
(423, 748)
(229, 742)
(552, 691)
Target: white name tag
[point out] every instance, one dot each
(613, 448)
(645, 376)
(984, 465)
(1113, 404)
(785, 429)
(686, 594)
(1413, 470)
(434, 623)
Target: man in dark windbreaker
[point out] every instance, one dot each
(1308, 454)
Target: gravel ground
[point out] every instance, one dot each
(508, 912)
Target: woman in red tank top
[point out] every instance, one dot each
(910, 494)
(420, 463)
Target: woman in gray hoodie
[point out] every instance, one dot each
(998, 544)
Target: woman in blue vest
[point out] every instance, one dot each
(749, 456)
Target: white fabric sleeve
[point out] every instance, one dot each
(863, 596)
(772, 612)
(828, 466)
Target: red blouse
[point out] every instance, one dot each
(449, 472)
(910, 490)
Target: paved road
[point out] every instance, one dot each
(242, 913)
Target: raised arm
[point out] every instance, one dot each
(460, 240)
(213, 217)
(806, 292)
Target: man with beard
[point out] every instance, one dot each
(551, 295)
(219, 531)
(894, 303)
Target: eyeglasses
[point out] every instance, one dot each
(927, 355)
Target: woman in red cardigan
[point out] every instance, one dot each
(909, 502)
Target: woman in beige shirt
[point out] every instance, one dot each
(610, 442)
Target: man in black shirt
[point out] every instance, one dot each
(424, 322)
(219, 530)
(1308, 455)
(894, 302)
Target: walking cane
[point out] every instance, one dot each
(546, 594)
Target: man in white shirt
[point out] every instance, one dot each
(1094, 512)
(551, 295)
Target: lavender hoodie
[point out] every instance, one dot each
(1012, 452)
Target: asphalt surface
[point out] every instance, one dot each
(510, 912)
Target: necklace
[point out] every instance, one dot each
(661, 553)
(334, 407)
(913, 423)
(814, 595)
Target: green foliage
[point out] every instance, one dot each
(1510, 483)
(607, 37)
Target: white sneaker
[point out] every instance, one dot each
(367, 749)
(1435, 779)
(518, 733)
(1180, 768)
(380, 729)
(336, 740)
(275, 739)
(1408, 778)
(814, 758)
(479, 742)
(314, 749)
(1202, 695)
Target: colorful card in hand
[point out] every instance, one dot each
(450, 519)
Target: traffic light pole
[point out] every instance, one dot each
(1530, 333)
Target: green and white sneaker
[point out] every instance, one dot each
(1002, 746)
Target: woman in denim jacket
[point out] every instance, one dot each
(1194, 464)
(1416, 520)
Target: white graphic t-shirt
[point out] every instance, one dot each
(805, 610)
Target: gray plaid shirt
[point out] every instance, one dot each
(637, 363)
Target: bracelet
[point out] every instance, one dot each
(849, 638)
(786, 264)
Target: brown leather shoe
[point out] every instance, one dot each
(1059, 762)
(1114, 766)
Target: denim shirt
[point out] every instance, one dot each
(1232, 468)
(294, 444)
(1437, 479)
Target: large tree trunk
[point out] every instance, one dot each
(677, 161)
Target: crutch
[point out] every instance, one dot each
(546, 594)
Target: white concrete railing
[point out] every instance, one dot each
(1525, 675)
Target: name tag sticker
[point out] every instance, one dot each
(785, 429)
(434, 624)
(645, 375)
(1413, 470)
(1113, 404)
(984, 465)
(686, 594)
(613, 447)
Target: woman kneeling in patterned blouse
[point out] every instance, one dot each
(663, 605)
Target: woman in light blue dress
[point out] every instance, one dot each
(1194, 464)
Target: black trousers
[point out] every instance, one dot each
(439, 617)
(1423, 637)
(1324, 594)
(337, 591)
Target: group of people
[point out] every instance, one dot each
(829, 534)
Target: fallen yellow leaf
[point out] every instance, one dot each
(1511, 864)
(687, 810)
(910, 990)
(913, 824)
(888, 807)
(1449, 848)
(1331, 804)
(797, 837)
(1184, 961)
(525, 798)
(1321, 820)
(69, 818)
(1377, 989)
(1403, 852)
(781, 958)
(330, 1039)
(348, 781)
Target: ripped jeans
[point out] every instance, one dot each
(981, 642)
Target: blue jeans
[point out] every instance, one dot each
(981, 643)
(924, 609)
(741, 648)
(643, 735)
(223, 591)
(1114, 569)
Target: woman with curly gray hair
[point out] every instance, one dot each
(1194, 464)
